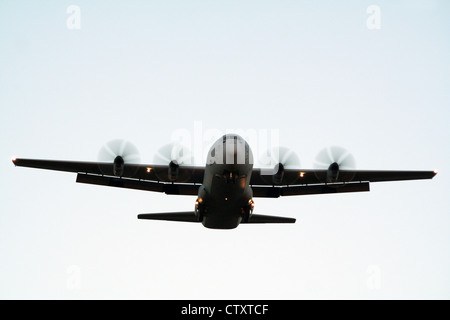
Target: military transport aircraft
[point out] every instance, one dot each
(226, 185)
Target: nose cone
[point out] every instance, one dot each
(230, 149)
(231, 137)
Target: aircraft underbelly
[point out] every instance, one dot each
(225, 202)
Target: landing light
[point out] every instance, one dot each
(149, 170)
(302, 174)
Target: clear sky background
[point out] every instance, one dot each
(141, 70)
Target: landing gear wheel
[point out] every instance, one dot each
(247, 214)
(200, 216)
(199, 212)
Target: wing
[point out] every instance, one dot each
(302, 182)
(156, 178)
(135, 176)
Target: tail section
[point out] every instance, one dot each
(189, 216)
(185, 216)
(259, 218)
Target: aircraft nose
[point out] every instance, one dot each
(230, 149)
(231, 138)
(237, 151)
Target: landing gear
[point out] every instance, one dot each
(199, 210)
(247, 211)
(247, 215)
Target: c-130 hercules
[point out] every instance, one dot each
(226, 185)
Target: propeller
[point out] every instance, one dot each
(120, 153)
(173, 154)
(281, 158)
(282, 155)
(334, 159)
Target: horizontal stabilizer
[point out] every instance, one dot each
(259, 218)
(186, 216)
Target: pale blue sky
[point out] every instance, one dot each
(144, 69)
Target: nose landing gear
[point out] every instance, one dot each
(247, 211)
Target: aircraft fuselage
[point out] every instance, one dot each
(225, 197)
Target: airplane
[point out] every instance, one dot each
(226, 185)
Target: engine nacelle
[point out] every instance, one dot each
(277, 178)
(173, 170)
(118, 166)
(333, 172)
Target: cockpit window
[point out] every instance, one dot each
(231, 136)
(230, 149)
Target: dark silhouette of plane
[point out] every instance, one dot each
(226, 185)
